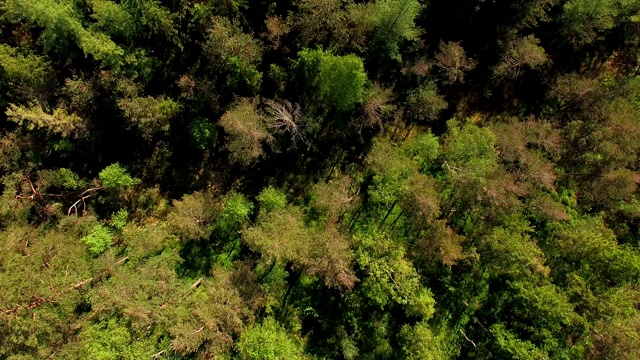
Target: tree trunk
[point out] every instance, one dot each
(393, 206)
(292, 284)
(408, 132)
(395, 130)
(232, 248)
(231, 230)
(395, 21)
(338, 158)
(355, 217)
(393, 224)
(273, 264)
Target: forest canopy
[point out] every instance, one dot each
(319, 179)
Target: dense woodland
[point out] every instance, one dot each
(319, 179)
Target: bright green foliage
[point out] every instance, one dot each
(27, 70)
(391, 170)
(339, 79)
(515, 348)
(119, 219)
(59, 122)
(102, 48)
(113, 18)
(395, 22)
(423, 149)
(69, 179)
(420, 343)
(34, 316)
(271, 199)
(115, 176)
(111, 339)
(390, 278)
(547, 314)
(468, 142)
(58, 18)
(62, 26)
(591, 250)
(236, 212)
(98, 240)
(150, 115)
(513, 254)
(268, 341)
(469, 152)
(63, 178)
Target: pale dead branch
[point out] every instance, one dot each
(285, 117)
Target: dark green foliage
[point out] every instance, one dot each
(236, 52)
(319, 179)
(203, 134)
(150, 115)
(424, 103)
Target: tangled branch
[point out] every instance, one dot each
(285, 118)
(83, 197)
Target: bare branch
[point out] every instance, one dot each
(469, 340)
(84, 196)
(81, 284)
(196, 284)
(285, 117)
